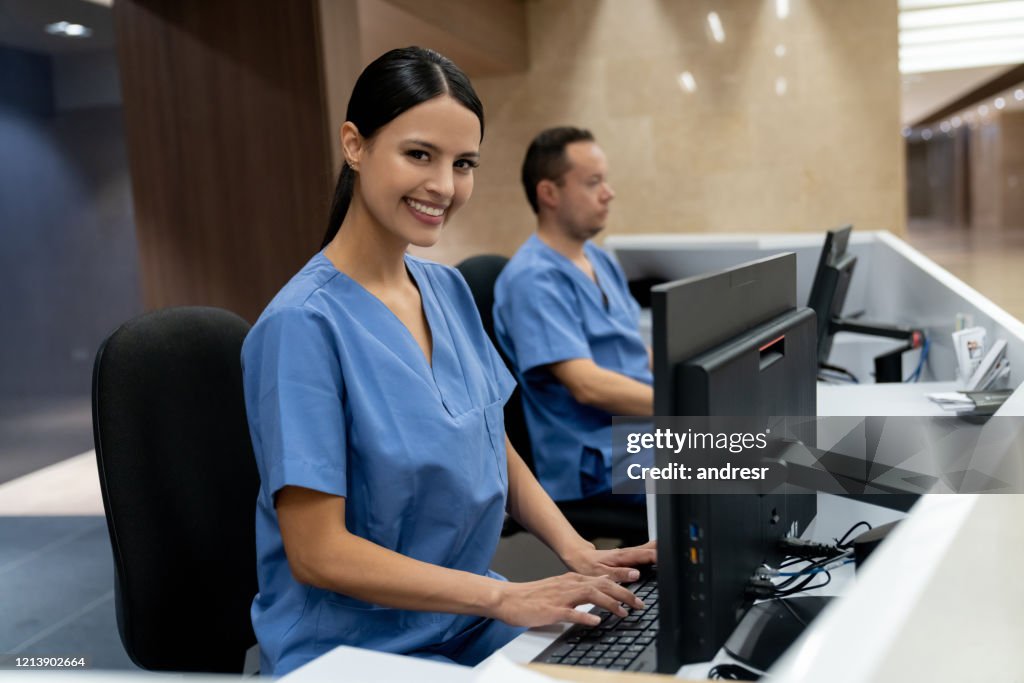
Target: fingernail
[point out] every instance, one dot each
(634, 575)
(639, 603)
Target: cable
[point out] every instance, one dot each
(832, 565)
(792, 611)
(841, 542)
(805, 585)
(829, 376)
(916, 374)
(840, 370)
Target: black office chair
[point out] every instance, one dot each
(628, 523)
(179, 484)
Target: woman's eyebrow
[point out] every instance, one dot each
(434, 148)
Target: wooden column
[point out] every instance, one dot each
(228, 144)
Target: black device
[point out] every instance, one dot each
(770, 627)
(726, 343)
(827, 297)
(617, 643)
(731, 342)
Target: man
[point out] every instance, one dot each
(564, 317)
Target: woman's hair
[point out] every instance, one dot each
(391, 85)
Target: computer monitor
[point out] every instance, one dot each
(828, 294)
(732, 342)
(831, 283)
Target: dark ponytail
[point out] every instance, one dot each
(391, 85)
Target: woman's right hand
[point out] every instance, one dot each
(548, 601)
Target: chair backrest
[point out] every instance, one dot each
(179, 484)
(480, 273)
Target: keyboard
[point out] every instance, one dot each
(617, 643)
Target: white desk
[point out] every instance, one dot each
(858, 400)
(940, 600)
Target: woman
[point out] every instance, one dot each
(375, 406)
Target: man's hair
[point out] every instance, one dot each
(546, 158)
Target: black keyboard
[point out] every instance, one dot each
(617, 643)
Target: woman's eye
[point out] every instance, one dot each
(466, 164)
(417, 154)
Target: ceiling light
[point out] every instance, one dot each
(68, 30)
(1018, 94)
(715, 24)
(954, 16)
(782, 8)
(923, 4)
(964, 47)
(780, 50)
(983, 110)
(687, 82)
(938, 61)
(926, 134)
(948, 34)
(780, 86)
(1000, 103)
(945, 126)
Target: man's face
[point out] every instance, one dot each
(583, 193)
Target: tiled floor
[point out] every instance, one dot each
(56, 588)
(991, 261)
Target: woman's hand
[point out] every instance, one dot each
(619, 564)
(548, 601)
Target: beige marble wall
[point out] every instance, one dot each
(798, 137)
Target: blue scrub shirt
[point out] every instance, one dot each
(341, 399)
(547, 310)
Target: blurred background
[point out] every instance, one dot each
(167, 152)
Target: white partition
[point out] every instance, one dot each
(892, 283)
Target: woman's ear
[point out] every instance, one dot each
(352, 145)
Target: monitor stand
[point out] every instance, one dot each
(770, 627)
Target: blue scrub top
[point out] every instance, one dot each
(341, 399)
(547, 310)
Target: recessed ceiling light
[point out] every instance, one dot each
(68, 30)
(1000, 103)
(782, 8)
(687, 82)
(715, 24)
(926, 133)
(938, 35)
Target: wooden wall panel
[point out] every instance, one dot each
(228, 145)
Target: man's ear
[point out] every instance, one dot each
(352, 145)
(547, 193)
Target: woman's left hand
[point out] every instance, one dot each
(619, 564)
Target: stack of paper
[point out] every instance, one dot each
(971, 402)
(953, 401)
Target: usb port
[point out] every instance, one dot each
(694, 531)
